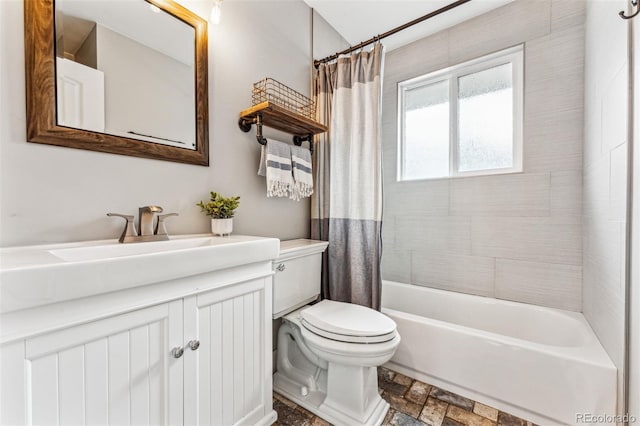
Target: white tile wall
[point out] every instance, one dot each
(509, 25)
(603, 254)
(614, 111)
(603, 311)
(554, 80)
(456, 231)
(554, 285)
(419, 198)
(592, 125)
(605, 41)
(617, 184)
(389, 231)
(553, 139)
(596, 187)
(565, 200)
(606, 78)
(420, 57)
(468, 274)
(541, 239)
(439, 233)
(397, 265)
(566, 13)
(501, 195)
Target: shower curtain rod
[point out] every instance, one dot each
(379, 37)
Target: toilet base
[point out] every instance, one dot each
(315, 402)
(337, 381)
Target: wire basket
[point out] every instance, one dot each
(275, 92)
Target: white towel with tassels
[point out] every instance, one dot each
(275, 165)
(302, 173)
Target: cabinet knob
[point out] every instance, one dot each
(177, 352)
(194, 344)
(280, 267)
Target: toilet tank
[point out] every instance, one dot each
(297, 275)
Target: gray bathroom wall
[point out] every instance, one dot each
(54, 194)
(515, 236)
(605, 174)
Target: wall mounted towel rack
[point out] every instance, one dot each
(280, 107)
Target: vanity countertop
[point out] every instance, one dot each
(42, 274)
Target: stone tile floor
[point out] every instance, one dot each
(413, 403)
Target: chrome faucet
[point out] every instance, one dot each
(147, 231)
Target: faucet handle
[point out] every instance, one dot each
(161, 229)
(129, 228)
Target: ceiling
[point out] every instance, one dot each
(360, 20)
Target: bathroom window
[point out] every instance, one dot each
(465, 120)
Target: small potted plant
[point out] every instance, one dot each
(221, 211)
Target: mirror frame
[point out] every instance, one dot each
(40, 82)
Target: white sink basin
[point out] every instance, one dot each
(37, 275)
(106, 251)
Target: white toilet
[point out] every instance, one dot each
(328, 353)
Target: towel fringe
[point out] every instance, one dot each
(300, 191)
(278, 189)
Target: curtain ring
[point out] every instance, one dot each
(634, 3)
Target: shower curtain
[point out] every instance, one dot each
(347, 203)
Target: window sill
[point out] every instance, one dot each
(482, 173)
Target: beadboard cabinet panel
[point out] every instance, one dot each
(113, 371)
(12, 385)
(225, 377)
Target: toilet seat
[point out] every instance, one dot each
(346, 322)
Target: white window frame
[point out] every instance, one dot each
(515, 57)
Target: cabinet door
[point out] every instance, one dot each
(228, 378)
(115, 371)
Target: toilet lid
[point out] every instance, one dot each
(347, 322)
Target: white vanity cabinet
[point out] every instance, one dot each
(194, 351)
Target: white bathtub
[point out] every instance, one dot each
(545, 365)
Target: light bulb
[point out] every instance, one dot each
(215, 12)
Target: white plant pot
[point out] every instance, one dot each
(221, 226)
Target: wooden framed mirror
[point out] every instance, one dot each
(155, 103)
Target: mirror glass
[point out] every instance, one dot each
(125, 68)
